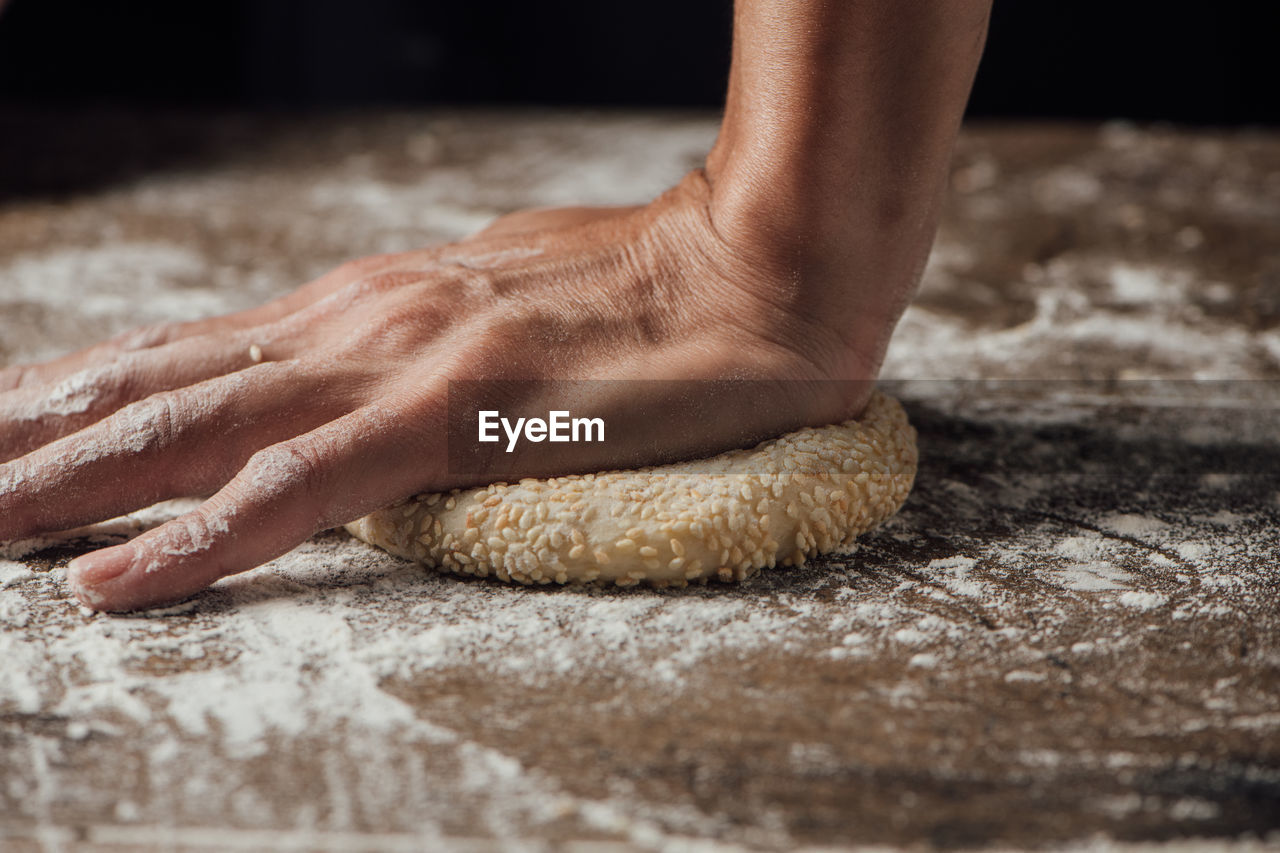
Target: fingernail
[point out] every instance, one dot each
(100, 566)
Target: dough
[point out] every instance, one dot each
(726, 517)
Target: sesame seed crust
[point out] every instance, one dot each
(724, 517)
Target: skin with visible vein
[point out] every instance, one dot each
(790, 256)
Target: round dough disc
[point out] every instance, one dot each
(727, 516)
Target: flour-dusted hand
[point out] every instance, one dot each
(332, 403)
(790, 257)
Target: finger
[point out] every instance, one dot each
(188, 441)
(148, 337)
(282, 496)
(133, 341)
(33, 416)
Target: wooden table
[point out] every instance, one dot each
(1071, 632)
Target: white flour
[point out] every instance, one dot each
(318, 647)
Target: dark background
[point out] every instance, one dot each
(1196, 63)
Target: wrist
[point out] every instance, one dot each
(848, 247)
(835, 314)
(832, 159)
(813, 186)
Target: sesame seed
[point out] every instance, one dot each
(831, 484)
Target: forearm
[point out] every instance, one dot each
(839, 123)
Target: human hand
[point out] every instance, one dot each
(328, 403)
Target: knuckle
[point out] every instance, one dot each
(293, 467)
(106, 387)
(14, 377)
(359, 294)
(429, 315)
(146, 337)
(476, 280)
(400, 327)
(378, 283)
(278, 339)
(150, 424)
(529, 326)
(491, 341)
(471, 281)
(500, 333)
(191, 534)
(344, 298)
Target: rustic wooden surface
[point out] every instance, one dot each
(1071, 634)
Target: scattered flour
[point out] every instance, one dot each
(1193, 551)
(12, 573)
(307, 649)
(1145, 287)
(1016, 675)
(955, 574)
(1093, 577)
(104, 533)
(72, 396)
(1225, 518)
(133, 283)
(1135, 526)
(1142, 600)
(1159, 341)
(299, 659)
(1083, 548)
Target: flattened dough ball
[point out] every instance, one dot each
(726, 516)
